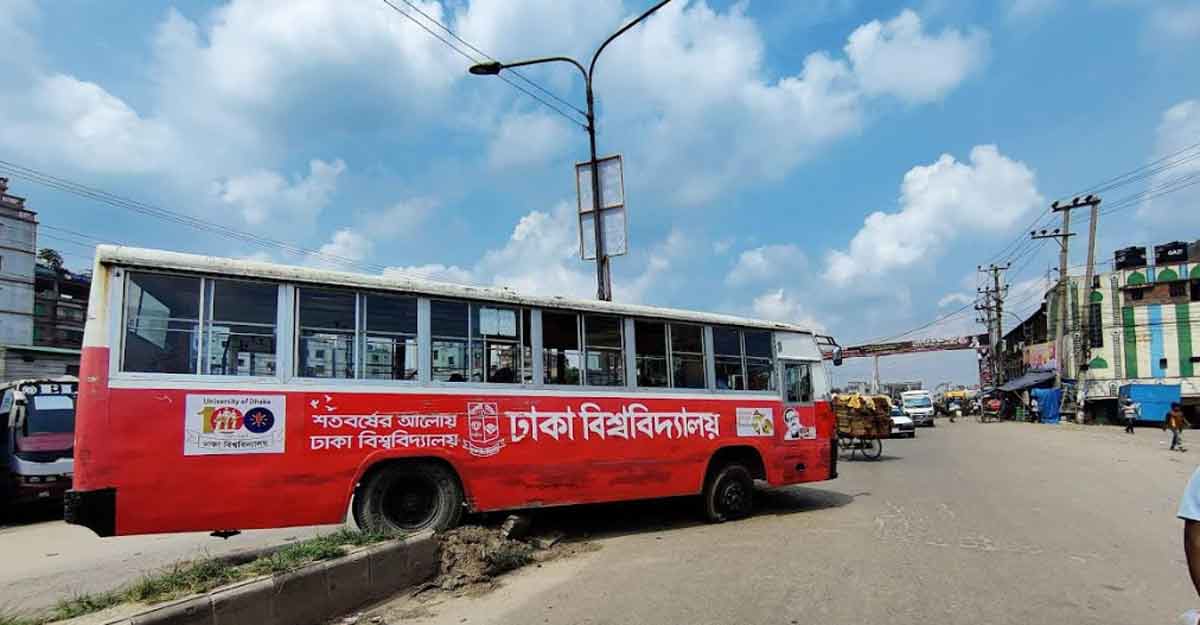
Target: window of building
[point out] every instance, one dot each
(1137, 294)
(1179, 289)
(604, 353)
(390, 341)
(1096, 325)
(161, 323)
(650, 339)
(727, 358)
(687, 356)
(327, 330)
(496, 348)
(1195, 291)
(760, 361)
(560, 347)
(240, 327)
(450, 328)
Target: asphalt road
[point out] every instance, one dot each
(43, 560)
(970, 523)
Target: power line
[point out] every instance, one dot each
(490, 57)
(474, 60)
(99, 195)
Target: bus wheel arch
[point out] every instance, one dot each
(728, 491)
(412, 494)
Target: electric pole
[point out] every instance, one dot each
(993, 308)
(1063, 237)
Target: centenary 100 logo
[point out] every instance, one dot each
(233, 424)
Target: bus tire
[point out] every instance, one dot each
(409, 497)
(728, 493)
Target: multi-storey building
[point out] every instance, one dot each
(1143, 325)
(18, 253)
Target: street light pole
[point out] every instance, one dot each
(603, 275)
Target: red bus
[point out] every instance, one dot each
(223, 394)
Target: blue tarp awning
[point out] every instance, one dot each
(1032, 378)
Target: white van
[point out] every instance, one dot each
(919, 406)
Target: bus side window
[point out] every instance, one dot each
(162, 316)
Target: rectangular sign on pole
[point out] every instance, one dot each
(612, 211)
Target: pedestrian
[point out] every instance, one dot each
(1131, 409)
(1189, 511)
(1035, 412)
(1176, 422)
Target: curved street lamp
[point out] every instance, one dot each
(493, 68)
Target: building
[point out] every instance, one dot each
(18, 362)
(1022, 340)
(1144, 326)
(18, 258)
(59, 307)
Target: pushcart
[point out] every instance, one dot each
(862, 425)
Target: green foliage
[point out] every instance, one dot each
(200, 576)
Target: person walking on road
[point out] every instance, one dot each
(1176, 422)
(1189, 512)
(1131, 409)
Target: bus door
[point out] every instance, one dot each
(799, 414)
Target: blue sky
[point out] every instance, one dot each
(840, 163)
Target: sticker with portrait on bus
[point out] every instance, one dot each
(234, 424)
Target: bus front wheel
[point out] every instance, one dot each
(409, 497)
(728, 494)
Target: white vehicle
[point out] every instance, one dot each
(902, 424)
(918, 405)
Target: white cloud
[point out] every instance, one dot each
(525, 139)
(1178, 23)
(692, 87)
(345, 250)
(62, 118)
(541, 257)
(401, 219)
(779, 305)
(954, 298)
(765, 263)
(1179, 127)
(898, 58)
(265, 197)
(722, 246)
(938, 203)
(433, 271)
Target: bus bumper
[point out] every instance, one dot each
(93, 509)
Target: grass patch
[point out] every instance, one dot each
(200, 576)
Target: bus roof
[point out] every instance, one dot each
(216, 265)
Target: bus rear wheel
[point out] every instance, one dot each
(728, 494)
(404, 498)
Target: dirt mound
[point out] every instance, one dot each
(473, 556)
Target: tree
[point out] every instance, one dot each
(51, 257)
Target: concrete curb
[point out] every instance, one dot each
(309, 595)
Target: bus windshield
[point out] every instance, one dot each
(50, 414)
(917, 402)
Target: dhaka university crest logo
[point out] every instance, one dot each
(483, 429)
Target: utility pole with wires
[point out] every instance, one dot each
(1063, 237)
(990, 302)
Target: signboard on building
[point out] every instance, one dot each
(1040, 356)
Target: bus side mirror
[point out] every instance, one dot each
(837, 356)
